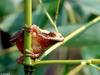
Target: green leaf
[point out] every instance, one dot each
(90, 52)
(12, 23)
(6, 7)
(90, 6)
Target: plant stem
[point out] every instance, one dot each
(71, 12)
(90, 61)
(49, 17)
(27, 35)
(77, 69)
(57, 11)
(71, 35)
(57, 62)
(96, 67)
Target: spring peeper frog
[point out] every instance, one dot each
(41, 40)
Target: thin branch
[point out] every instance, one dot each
(96, 67)
(71, 12)
(57, 62)
(77, 69)
(27, 36)
(70, 36)
(44, 62)
(57, 11)
(49, 17)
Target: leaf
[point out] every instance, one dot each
(83, 9)
(91, 52)
(6, 7)
(90, 6)
(12, 23)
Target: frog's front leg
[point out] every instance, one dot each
(30, 54)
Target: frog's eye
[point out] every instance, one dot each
(52, 34)
(55, 36)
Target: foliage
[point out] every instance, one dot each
(72, 14)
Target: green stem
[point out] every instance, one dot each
(70, 12)
(49, 17)
(71, 35)
(90, 61)
(57, 11)
(57, 62)
(95, 61)
(27, 35)
(96, 67)
(77, 69)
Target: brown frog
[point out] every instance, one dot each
(41, 40)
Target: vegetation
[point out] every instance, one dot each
(77, 21)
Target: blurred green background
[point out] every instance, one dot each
(72, 14)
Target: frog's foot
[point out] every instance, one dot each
(32, 54)
(29, 54)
